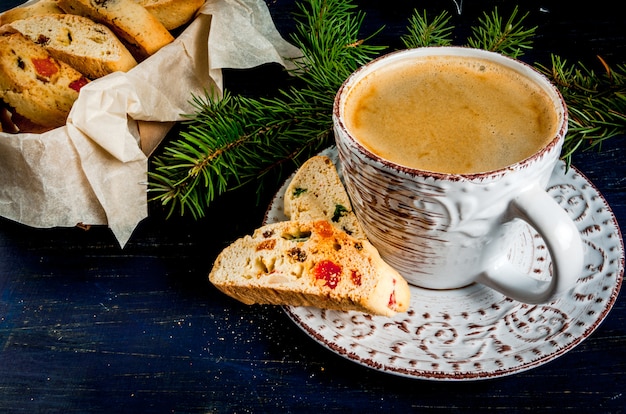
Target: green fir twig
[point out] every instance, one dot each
(596, 103)
(423, 32)
(509, 38)
(234, 141)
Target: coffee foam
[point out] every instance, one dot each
(450, 114)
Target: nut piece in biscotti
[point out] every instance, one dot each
(89, 47)
(316, 192)
(143, 34)
(34, 84)
(309, 263)
(35, 9)
(172, 13)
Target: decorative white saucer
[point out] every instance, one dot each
(474, 332)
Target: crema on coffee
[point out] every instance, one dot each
(450, 114)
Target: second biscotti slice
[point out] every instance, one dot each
(34, 84)
(316, 192)
(309, 263)
(90, 47)
(142, 32)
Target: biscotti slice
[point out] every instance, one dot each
(316, 192)
(35, 9)
(142, 32)
(34, 84)
(87, 46)
(309, 263)
(172, 13)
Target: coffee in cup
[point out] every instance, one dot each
(450, 114)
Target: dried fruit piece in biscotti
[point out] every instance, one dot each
(142, 32)
(87, 46)
(316, 192)
(34, 84)
(309, 263)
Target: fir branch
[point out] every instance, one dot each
(234, 141)
(510, 38)
(596, 103)
(327, 32)
(424, 33)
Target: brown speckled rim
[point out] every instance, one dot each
(523, 68)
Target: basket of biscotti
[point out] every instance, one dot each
(89, 88)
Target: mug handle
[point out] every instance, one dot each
(562, 238)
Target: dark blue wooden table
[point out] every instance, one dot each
(88, 327)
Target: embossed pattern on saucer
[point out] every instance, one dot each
(475, 332)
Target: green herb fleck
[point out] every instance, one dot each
(340, 211)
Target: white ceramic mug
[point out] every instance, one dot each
(447, 230)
